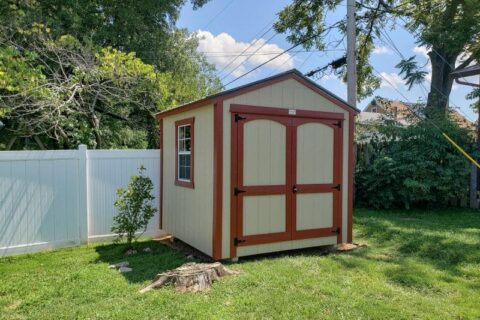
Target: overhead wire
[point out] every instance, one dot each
(392, 46)
(413, 112)
(248, 59)
(271, 59)
(218, 14)
(252, 43)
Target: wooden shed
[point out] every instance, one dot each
(264, 167)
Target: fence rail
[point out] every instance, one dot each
(51, 199)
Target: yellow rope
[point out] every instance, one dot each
(465, 154)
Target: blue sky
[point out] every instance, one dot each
(228, 27)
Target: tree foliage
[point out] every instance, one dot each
(74, 94)
(95, 72)
(448, 28)
(135, 208)
(411, 166)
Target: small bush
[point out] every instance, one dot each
(411, 166)
(135, 207)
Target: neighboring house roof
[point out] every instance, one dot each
(402, 112)
(372, 117)
(291, 74)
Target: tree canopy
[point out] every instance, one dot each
(95, 72)
(448, 28)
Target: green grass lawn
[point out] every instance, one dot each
(418, 265)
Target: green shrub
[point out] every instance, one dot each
(135, 207)
(411, 166)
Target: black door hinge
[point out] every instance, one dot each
(237, 241)
(338, 187)
(339, 123)
(336, 231)
(239, 117)
(237, 191)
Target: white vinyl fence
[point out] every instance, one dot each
(51, 199)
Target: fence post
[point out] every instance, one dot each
(83, 194)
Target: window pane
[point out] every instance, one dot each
(187, 131)
(187, 145)
(181, 173)
(187, 173)
(181, 145)
(181, 132)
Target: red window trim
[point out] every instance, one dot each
(183, 122)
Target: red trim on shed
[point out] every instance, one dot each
(217, 179)
(183, 122)
(351, 166)
(291, 121)
(161, 174)
(292, 74)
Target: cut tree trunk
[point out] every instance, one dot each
(191, 277)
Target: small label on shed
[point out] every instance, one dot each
(292, 112)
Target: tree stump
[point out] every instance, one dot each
(191, 277)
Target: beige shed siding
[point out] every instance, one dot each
(288, 94)
(264, 153)
(308, 219)
(286, 245)
(188, 213)
(263, 214)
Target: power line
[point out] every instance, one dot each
(268, 61)
(335, 64)
(218, 14)
(392, 46)
(251, 44)
(449, 140)
(248, 59)
(263, 53)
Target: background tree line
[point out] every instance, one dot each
(94, 72)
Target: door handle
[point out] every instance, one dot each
(294, 188)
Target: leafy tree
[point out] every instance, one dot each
(75, 94)
(135, 208)
(411, 166)
(449, 28)
(94, 72)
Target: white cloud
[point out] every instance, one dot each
(391, 80)
(382, 50)
(223, 48)
(421, 51)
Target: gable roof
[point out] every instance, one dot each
(290, 74)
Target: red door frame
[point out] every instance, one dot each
(320, 188)
(291, 118)
(262, 189)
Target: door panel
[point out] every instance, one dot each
(264, 153)
(314, 153)
(263, 179)
(286, 178)
(316, 178)
(320, 217)
(264, 214)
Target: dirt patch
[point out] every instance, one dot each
(344, 247)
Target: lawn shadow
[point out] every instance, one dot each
(145, 265)
(410, 245)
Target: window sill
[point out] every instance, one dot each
(185, 184)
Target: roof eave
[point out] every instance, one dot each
(294, 73)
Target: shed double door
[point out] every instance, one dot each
(286, 177)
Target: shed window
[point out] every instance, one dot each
(184, 152)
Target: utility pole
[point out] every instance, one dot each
(351, 56)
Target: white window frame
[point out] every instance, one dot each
(184, 152)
